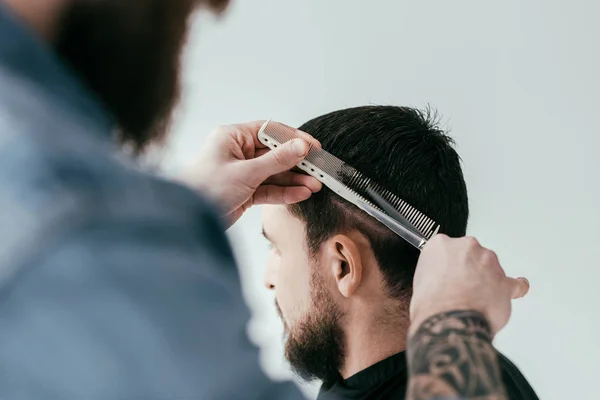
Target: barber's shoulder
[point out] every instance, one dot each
(146, 207)
(61, 185)
(517, 386)
(57, 192)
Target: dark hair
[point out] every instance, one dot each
(404, 150)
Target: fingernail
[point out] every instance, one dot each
(300, 147)
(319, 187)
(307, 137)
(526, 281)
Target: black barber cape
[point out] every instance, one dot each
(387, 380)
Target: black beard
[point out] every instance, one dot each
(128, 53)
(315, 346)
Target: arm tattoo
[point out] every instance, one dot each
(451, 357)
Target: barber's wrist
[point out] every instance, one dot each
(470, 321)
(420, 313)
(212, 192)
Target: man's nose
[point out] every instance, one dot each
(270, 277)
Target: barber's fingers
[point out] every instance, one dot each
(262, 152)
(252, 129)
(311, 140)
(247, 131)
(273, 194)
(517, 287)
(290, 178)
(280, 159)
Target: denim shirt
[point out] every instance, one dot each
(113, 284)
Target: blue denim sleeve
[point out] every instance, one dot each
(131, 310)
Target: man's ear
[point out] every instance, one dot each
(343, 261)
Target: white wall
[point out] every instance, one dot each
(517, 82)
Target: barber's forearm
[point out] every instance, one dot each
(451, 357)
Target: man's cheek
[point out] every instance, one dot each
(278, 309)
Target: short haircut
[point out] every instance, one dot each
(404, 150)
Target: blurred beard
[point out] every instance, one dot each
(128, 53)
(315, 344)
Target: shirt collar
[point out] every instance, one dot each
(364, 382)
(378, 373)
(24, 55)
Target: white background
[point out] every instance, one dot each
(517, 82)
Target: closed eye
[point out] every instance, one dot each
(267, 237)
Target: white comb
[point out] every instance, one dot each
(403, 219)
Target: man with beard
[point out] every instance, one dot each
(118, 285)
(343, 281)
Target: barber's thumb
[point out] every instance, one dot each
(280, 159)
(518, 287)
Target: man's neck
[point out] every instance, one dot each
(369, 341)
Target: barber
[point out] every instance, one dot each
(116, 284)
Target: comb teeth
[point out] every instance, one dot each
(425, 225)
(323, 160)
(354, 181)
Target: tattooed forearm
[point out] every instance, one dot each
(451, 357)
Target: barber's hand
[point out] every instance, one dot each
(460, 274)
(237, 171)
